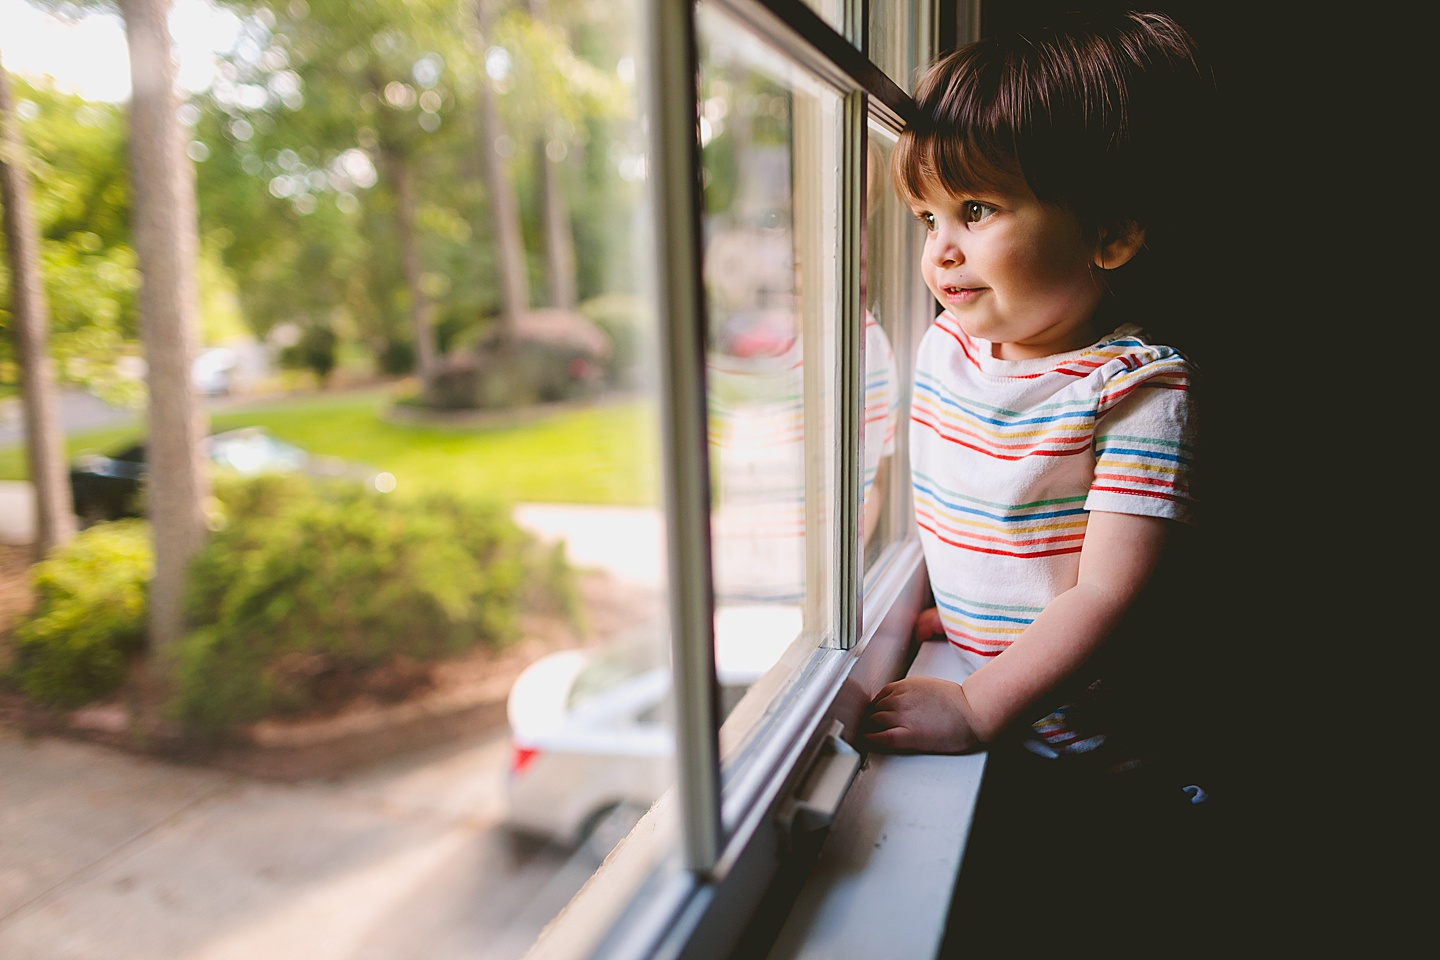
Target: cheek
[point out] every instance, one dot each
(927, 271)
(1055, 270)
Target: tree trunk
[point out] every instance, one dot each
(398, 168)
(555, 211)
(166, 244)
(44, 441)
(559, 242)
(504, 208)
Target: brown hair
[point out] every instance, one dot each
(1097, 114)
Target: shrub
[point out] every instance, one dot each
(314, 351)
(534, 372)
(89, 617)
(308, 579)
(396, 358)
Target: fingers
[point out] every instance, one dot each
(885, 693)
(888, 740)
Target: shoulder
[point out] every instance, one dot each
(1129, 350)
(1129, 362)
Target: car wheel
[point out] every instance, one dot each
(607, 827)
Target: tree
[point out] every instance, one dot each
(504, 208)
(44, 442)
(80, 200)
(554, 209)
(340, 90)
(345, 173)
(530, 66)
(166, 242)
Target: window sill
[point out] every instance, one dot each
(882, 882)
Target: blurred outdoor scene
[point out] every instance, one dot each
(332, 553)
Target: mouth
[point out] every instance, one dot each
(956, 294)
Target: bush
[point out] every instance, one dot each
(396, 358)
(89, 618)
(534, 372)
(311, 580)
(314, 351)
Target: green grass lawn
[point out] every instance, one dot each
(601, 453)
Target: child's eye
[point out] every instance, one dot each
(975, 211)
(926, 219)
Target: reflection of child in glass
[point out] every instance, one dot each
(757, 433)
(1051, 441)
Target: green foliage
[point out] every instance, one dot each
(396, 357)
(308, 579)
(328, 110)
(299, 148)
(314, 351)
(548, 91)
(90, 615)
(80, 192)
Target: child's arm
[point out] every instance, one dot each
(930, 715)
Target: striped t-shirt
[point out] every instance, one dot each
(1010, 456)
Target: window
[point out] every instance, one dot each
(790, 306)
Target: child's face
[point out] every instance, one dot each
(1011, 269)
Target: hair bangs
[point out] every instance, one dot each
(970, 138)
(922, 163)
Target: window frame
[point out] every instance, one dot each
(693, 873)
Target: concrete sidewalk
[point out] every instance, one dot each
(106, 856)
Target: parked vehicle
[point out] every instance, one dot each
(591, 730)
(214, 371)
(109, 487)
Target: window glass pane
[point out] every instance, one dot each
(898, 34)
(357, 786)
(769, 134)
(592, 740)
(829, 11)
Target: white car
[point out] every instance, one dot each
(591, 731)
(214, 371)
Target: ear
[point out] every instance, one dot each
(1118, 244)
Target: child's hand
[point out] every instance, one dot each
(919, 715)
(928, 624)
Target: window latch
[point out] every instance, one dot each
(816, 800)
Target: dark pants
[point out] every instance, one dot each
(1061, 858)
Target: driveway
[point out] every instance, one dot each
(77, 411)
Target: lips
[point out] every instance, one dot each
(956, 294)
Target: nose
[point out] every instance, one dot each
(943, 249)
